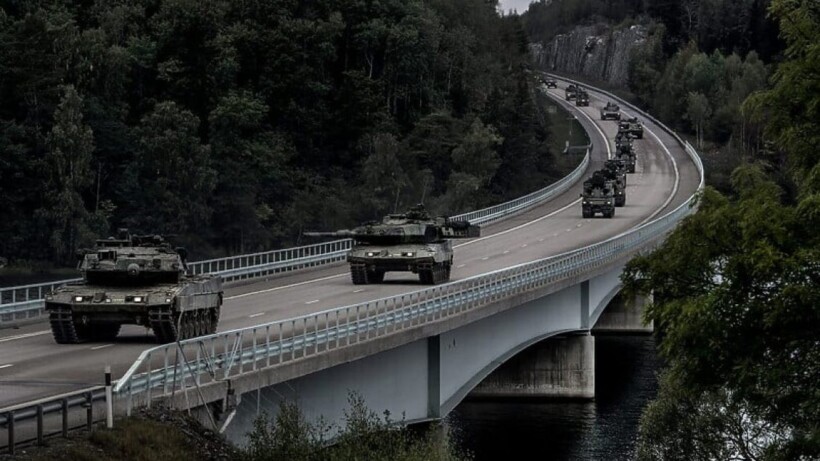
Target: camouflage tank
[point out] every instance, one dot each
(611, 111)
(138, 280)
(403, 242)
(626, 154)
(570, 91)
(581, 97)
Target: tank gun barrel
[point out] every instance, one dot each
(339, 233)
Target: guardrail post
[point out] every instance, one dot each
(109, 400)
(89, 411)
(10, 424)
(39, 424)
(64, 403)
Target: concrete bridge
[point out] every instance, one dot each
(539, 282)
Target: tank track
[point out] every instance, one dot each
(434, 274)
(358, 274)
(64, 328)
(168, 326)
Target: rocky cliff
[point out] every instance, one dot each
(598, 52)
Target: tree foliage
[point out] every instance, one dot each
(235, 125)
(364, 435)
(737, 289)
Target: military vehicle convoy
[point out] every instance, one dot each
(581, 97)
(611, 111)
(403, 242)
(598, 196)
(137, 280)
(570, 91)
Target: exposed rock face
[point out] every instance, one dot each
(597, 52)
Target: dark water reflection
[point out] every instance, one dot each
(604, 429)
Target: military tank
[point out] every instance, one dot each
(403, 242)
(598, 196)
(615, 171)
(138, 280)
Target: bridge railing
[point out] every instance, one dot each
(26, 302)
(177, 366)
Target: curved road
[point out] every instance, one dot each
(33, 366)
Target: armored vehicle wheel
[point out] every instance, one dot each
(632, 168)
(586, 214)
(358, 275)
(65, 328)
(164, 324)
(375, 276)
(609, 214)
(213, 320)
(426, 276)
(620, 201)
(103, 331)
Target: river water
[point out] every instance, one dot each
(604, 429)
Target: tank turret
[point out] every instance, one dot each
(134, 279)
(413, 241)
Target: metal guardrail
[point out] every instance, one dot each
(171, 367)
(26, 302)
(50, 417)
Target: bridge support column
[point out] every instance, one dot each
(559, 367)
(624, 315)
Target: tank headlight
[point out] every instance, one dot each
(609, 203)
(108, 300)
(409, 254)
(78, 299)
(137, 299)
(372, 253)
(167, 300)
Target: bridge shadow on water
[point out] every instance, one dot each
(537, 429)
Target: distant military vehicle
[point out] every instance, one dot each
(611, 111)
(550, 82)
(635, 127)
(598, 196)
(615, 170)
(626, 154)
(570, 91)
(581, 97)
(134, 280)
(403, 242)
(623, 137)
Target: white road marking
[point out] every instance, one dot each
(521, 226)
(524, 246)
(506, 251)
(579, 224)
(6, 365)
(258, 314)
(96, 348)
(312, 302)
(460, 266)
(359, 290)
(286, 286)
(540, 240)
(485, 258)
(27, 335)
(569, 230)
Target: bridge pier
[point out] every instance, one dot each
(558, 367)
(624, 315)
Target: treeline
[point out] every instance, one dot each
(236, 125)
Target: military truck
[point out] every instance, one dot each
(611, 111)
(413, 241)
(598, 196)
(615, 170)
(581, 97)
(635, 127)
(550, 82)
(139, 280)
(626, 154)
(570, 91)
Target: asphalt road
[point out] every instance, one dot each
(32, 366)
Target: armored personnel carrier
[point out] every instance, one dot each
(581, 97)
(570, 92)
(403, 242)
(137, 280)
(611, 111)
(626, 154)
(615, 171)
(598, 196)
(635, 127)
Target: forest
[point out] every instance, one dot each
(235, 125)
